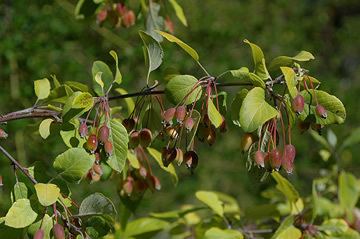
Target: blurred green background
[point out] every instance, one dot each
(41, 38)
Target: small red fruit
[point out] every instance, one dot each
(103, 133)
(39, 234)
(1, 181)
(180, 113)
(108, 147)
(189, 123)
(260, 158)
(59, 232)
(155, 182)
(321, 111)
(298, 104)
(275, 159)
(83, 129)
(169, 114)
(179, 156)
(92, 143)
(128, 18)
(101, 16)
(288, 158)
(143, 172)
(97, 169)
(169, 25)
(128, 186)
(145, 137)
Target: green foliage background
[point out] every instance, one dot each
(38, 38)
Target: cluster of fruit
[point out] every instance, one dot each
(58, 232)
(139, 179)
(271, 157)
(118, 14)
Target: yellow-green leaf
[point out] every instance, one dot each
(42, 88)
(47, 193)
(179, 11)
(212, 200)
(20, 214)
(180, 43)
(259, 60)
(44, 128)
(118, 76)
(290, 80)
(214, 115)
(215, 233)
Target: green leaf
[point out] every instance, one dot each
(288, 61)
(179, 11)
(214, 115)
(47, 193)
(320, 139)
(334, 226)
(134, 162)
(77, 86)
(335, 109)
(106, 76)
(331, 138)
(236, 105)
(81, 101)
(74, 164)
(183, 89)
(259, 60)
(44, 128)
(349, 190)
(144, 225)
(20, 214)
(46, 224)
(96, 204)
(20, 191)
(285, 224)
(118, 76)
(180, 43)
(212, 200)
(154, 52)
(154, 21)
(42, 88)
(290, 80)
(120, 139)
(248, 77)
(255, 111)
(99, 81)
(285, 187)
(215, 233)
(170, 169)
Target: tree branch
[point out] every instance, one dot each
(18, 165)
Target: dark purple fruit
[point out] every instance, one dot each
(275, 159)
(191, 159)
(168, 155)
(1, 181)
(303, 126)
(59, 232)
(223, 127)
(298, 104)
(211, 138)
(145, 137)
(321, 111)
(108, 147)
(180, 113)
(260, 158)
(134, 139)
(169, 114)
(92, 143)
(83, 129)
(103, 134)
(39, 234)
(129, 124)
